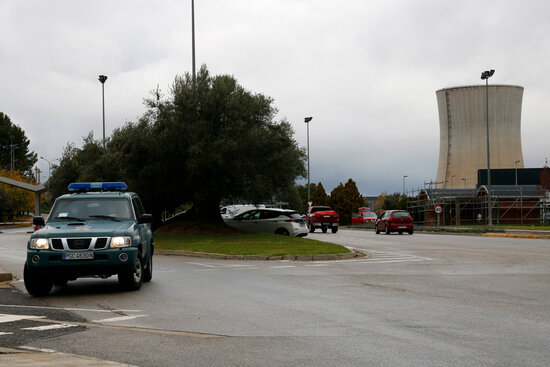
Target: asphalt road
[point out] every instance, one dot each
(421, 300)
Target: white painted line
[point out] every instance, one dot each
(316, 264)
(43, 350)
(70, 309)
(3, 333)
(12, 318)
(50, 327)
(121, 318)
(201, 264)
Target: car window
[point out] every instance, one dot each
(138, 207)
(271, 214)
(320, 209)
(250, 215)
(91, 208)
(369, 215)
(400, 214)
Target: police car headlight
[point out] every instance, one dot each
(121, 241)
(40, 244)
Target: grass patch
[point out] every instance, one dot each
(261, 244)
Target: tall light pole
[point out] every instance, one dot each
(193, 36)
(404, 192)
(516, 163)
(485, 76)
(103, 79)
(307, 120)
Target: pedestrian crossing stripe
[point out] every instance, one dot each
(50, 327)
(12, 318)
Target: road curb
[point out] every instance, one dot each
(517, 235)
(342, 256)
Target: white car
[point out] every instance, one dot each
(234, 210)
(270, 220)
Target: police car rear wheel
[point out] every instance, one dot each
(131, 280)
(35, 283)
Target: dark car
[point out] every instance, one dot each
(394, 221)
(97, 230)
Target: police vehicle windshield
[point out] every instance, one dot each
(83, 208)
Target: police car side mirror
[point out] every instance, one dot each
(145, 218)
(38, 221)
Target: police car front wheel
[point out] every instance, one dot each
(131, 280)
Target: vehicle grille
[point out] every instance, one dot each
(57, 244)
(101, 242)
(79, 243)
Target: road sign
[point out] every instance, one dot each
(438, 209)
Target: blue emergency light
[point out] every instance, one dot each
(97, 186)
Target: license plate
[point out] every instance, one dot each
(402, 227)
(88, 255)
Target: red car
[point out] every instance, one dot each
(369, 217)
(363, 218)
(394, 221)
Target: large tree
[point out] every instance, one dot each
(14, 148)
(209, 140)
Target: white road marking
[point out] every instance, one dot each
(43, 350)
(201, 264)
(12, 318)
(70, 309)
(116, 319)
(3, 333)
(316, 264)
(49, 327)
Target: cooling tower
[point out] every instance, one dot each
(463, 132)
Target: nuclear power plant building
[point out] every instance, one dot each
(463, 132)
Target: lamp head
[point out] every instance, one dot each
(487, 74)
(308, 119)
(102, 78)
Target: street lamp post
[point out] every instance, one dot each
(307, 120)
(193, 37)
(463, 179)
(49, 165)
(485, 76)
(516, 163)
(404, 191)
(103, 79)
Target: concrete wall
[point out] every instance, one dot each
(463, 127)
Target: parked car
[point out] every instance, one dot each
(270, 220)
(363, 218)
(356, 219)
(369, 217)
(234, 210)
(322, 217)
(394, 221)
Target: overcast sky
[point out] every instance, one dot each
(367, 71)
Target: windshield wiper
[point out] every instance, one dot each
(105, 217)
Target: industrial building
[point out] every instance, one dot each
(518, 195)
(463, 132)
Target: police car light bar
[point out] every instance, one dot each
(97, 186)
